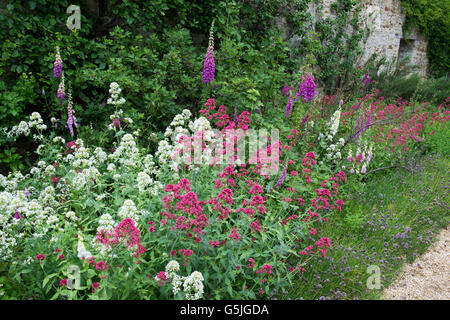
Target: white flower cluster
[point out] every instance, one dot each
(127, 153)
(172, 152)
(129, 210)
(24, 128)
(191, 285)
(146, 184)
(32, 214)
(333, 150)
(115, 90)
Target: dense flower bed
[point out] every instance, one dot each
(157, 226)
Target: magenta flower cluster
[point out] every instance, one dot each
(307, 89)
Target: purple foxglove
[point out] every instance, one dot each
(289, 105)
(57, 65)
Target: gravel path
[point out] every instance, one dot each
(428, 277)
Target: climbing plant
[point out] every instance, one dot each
(432, 18)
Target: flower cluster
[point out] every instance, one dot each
(114, 91)
(307, 89)
(57, 65)
(208, 64)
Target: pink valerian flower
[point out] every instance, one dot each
(95, 286)
(339, 204)
(251, 263)
(208, 64)
(323, 251)
(227, 195)
(256, 188)
(101, 266)
(186, 252)
(63, 282)
(162, 278)
(267, 268)
(40, 257)
(214, 243)
(323, 242)
(125, 232)
(61, 256)
(234, 235)
(255, 226)
(243, 120)
(151, 228)
(57, 65)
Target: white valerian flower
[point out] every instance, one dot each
(71, 215)
(82, 252)
(193, 286)
(172, 268)
(128, 210)
(177, 282)
(115, 92)
(59, 140)
(106, 223)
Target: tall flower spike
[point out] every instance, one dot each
(61, 94)
(289, 105)
(208, 64)
(366, 80)
(71, 120)
(57, 65)
(307, 88)
(283, 175)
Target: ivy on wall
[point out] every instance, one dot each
(433, 19)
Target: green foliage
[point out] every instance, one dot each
(437, 139)
(431, 17)
(392, 87)
(435, 91)
(413, 87)
(339, 47)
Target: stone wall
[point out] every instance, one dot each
(384, 19)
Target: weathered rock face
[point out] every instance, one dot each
(384, 19)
